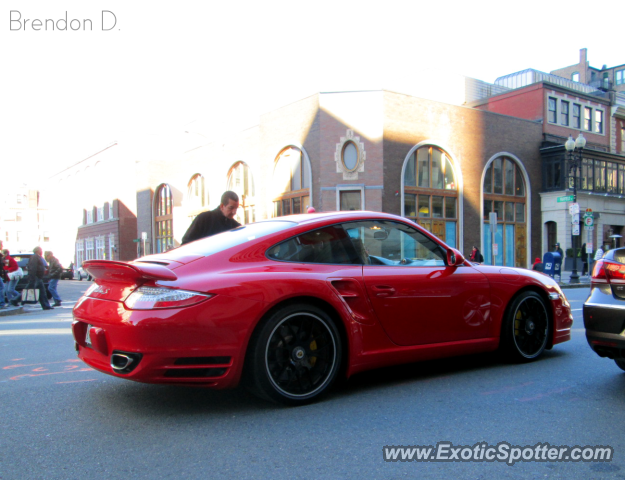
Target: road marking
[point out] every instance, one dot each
(543, 395)
(25, 322)
(38, 331)
(26, 375)
(78, 381)
(71, 360)
(506, 389)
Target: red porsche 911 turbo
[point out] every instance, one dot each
(289, 304)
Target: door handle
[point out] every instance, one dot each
(383, 290)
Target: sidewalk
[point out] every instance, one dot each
(11, 310)
(584, 281)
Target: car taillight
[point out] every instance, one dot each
(605, 271)
(148, 298)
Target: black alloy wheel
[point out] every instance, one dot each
(526, 327)
(294, 356)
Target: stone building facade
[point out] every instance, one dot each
(371, 150)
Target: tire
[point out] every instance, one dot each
(294, 355)
(620, 363)
(526, 327)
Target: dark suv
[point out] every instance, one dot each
(22, 260)
(604, 310)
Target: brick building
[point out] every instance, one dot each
(23, 219)
(99, 220)
(606, 78)
(564, 108)
(372, 150)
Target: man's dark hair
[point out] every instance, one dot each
(227, 196)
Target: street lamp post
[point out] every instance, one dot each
(574, 150)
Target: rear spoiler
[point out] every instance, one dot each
(122, 272)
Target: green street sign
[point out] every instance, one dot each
(568, 198)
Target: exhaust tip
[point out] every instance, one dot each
(124, 362)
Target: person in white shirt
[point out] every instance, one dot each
(599, 253)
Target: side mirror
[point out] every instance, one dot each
(380, 234)
(454, 257)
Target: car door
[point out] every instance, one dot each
(416, 296)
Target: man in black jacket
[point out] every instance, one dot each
(54, 271)
(214, 221)
(36, 270)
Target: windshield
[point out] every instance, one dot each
(244, 233)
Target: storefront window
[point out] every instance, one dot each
(241, 182)
(291, 182)
(505, 193)
(164, 219)
(430, 192)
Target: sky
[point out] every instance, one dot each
(209, 67)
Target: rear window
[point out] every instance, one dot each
(21, 260)
(223, 241)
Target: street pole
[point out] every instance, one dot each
(574, 149)
(574, 274)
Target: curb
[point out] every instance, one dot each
(574, 285)
(5, 312)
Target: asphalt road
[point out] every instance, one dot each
(61, 420)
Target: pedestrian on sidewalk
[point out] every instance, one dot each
(559, 250)
(584, 256)
(15, 274)
(599, 253)
(37, 267)
(54, 270)
(2, 281)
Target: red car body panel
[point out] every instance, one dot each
(386, 315)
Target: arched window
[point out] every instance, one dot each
(241, 182)
(505, 193)
(164, 219)
(291, 183)
(197, 196)
(431, 192)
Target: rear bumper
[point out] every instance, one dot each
(563, 321)
(199, 345)
(604, 321)
(172, 368)
(608, 345)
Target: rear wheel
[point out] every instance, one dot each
(620, 363)
(294, 356)
(525, 329)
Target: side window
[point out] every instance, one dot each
(357, 243)
(391, 243)
(326, 245)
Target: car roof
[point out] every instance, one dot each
(323, 217)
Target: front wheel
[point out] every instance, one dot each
(525, 329)
(294, 355)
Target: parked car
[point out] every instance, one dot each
(67, 274)
(81, 273)
(22, 260)
(289, 304)
(605, 307)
